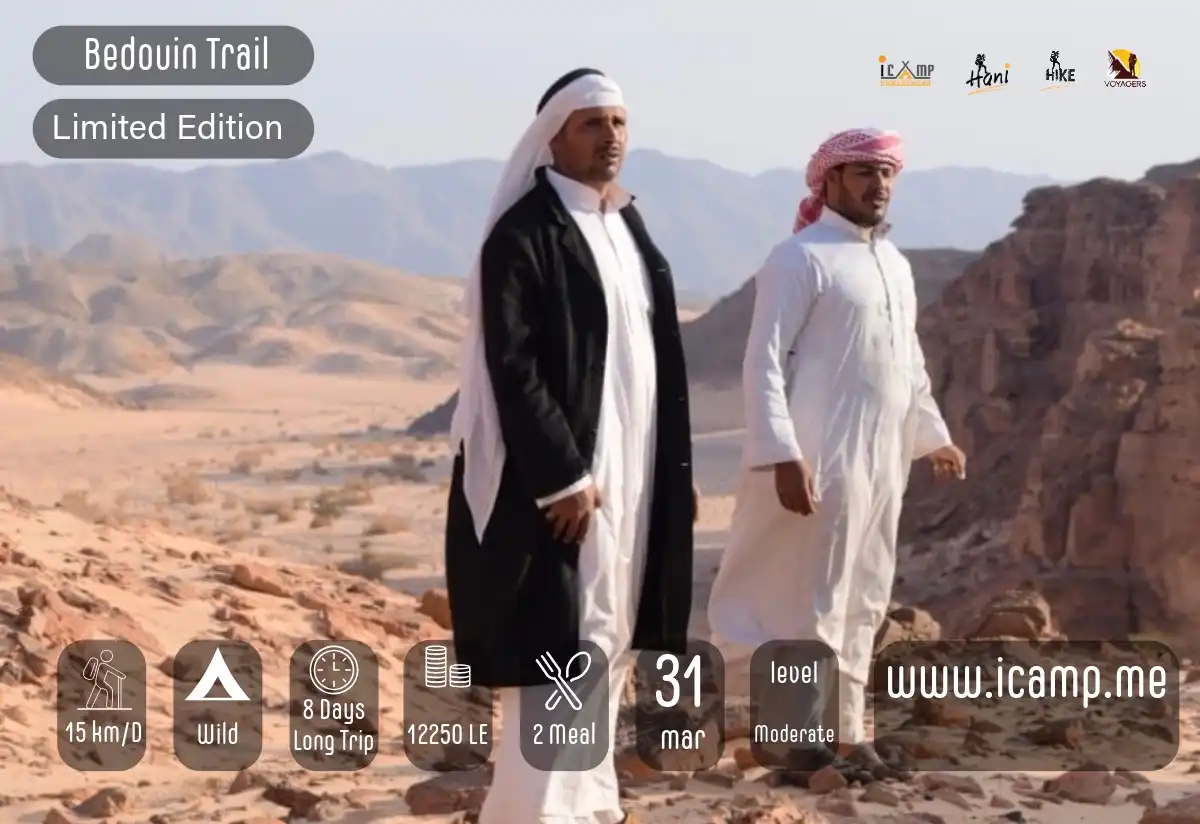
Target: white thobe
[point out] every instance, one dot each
(613, 555)
(833, 374)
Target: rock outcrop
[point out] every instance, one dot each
(436, 421)
(1065, 361)
(1168, 173)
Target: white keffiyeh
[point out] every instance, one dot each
(476, 421)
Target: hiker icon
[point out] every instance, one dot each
(106, 694)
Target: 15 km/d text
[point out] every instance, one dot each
(96, 732)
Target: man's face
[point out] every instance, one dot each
(590, 147)
(861, 191)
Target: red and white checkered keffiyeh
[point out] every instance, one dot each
(851, 146)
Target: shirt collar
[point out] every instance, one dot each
(579, 196)
(832, 219)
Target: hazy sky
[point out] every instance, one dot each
(749, 85)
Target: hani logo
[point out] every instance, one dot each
(983, 80)
(1056, 75)
(919, 75)
(1125, 70)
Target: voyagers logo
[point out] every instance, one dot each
(983, 80)
(1125, 70)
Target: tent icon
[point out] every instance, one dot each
(217, 672)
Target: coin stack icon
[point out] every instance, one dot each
(460, 676)
(435, 666)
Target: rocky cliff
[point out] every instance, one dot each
(1065, 360)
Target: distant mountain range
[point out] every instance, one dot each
(715, 224)
(118, 306)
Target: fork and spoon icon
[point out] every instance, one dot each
(562, 677)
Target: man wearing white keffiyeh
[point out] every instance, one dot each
(571, 504)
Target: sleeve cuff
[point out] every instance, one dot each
(580, 485)
(932, 435)
(761, 456)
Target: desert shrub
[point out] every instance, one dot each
(407, 467)
(186, 488)
(386, 524)
(246, 461)
(283, 510)
(77, 503)
(374, 565)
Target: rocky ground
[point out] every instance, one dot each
(62, 579)
(275, 509)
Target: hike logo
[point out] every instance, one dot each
(1125, 70)
(1056, 76)
(984, 80)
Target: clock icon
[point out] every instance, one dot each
(333, 670)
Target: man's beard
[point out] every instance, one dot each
(871, 215)
(605, 170)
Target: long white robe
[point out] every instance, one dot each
(612, 557)
(833, 374)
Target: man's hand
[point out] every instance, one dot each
(949, 462)
(795, 488)
(695, 503)
(571, 517)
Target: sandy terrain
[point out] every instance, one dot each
(135, 522)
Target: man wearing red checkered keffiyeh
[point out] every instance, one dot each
(838, 406)
(850, 154)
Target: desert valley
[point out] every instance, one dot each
(252, 446)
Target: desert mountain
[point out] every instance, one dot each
(115, 305)
(1065, 360)
(713, 223)
(713, 344)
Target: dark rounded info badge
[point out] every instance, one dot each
(448, 723)
(680, 712)
(101, 705)
(218, 705)
(566, 723)
(794, 690)
(183, 129)
(173, 55)
(334, 707)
